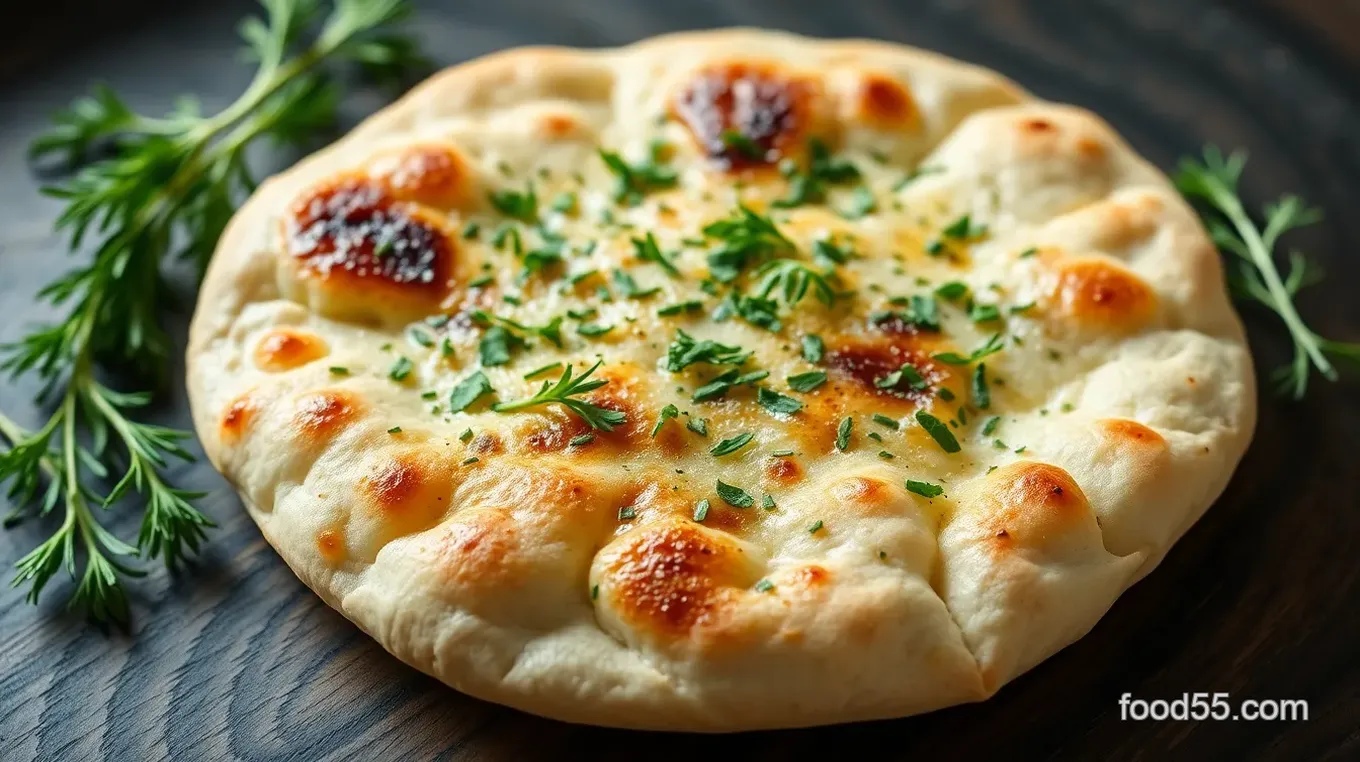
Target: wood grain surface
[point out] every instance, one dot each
(235, 659)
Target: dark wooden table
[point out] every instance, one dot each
(238, 660)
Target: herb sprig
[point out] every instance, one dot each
(1212, 182)
(564, 393)
(167, 185)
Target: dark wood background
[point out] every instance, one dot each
(236, 659)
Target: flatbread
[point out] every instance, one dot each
(526, 558)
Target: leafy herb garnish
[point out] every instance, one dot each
(806, 382)
(697, 425)
(400, 369)
(992, 345)
(777, 403)
(668, 412)
(731, 444)
(564, 393)
(924, 489)
(884, 420)
(685, 351)
(735, 496)
(725, 382)
(808, 185)
(468, 390)
(522, 206)
(813, 348)
(629, 287)
(701, 510)
(633, 181)
(843, 433)
(982, 393)
(758, 311)
(938, 430)
(746, 237)
(791, 279)
(1212, 182)
(647, 251)
(171, 182)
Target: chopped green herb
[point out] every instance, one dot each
(735, 140)
(470, 461)
(945, 394)
(400, 369)
(806, 382)
(394, 430)
(813, 348)
(924, 489)
(627, 512)
(701, 510)
(874, 435)
(496, 345)
(746, 237)
(466, 435)
(1027, 253)
(982, 394)
(989, 425)
(993, 345)
(808, 186)
(697, 425)
(564, 202)
(731, 445)
(542, 370)
(633, 181)
(339, 370)
(963, 228)
(843, 433)
(540, 260)
(1021, 449)
(907, 372)
(952, 290)
(581, 439)
(884, 420)
(922, 312)
(815, 526)
(735, 496)
(647, 251)
(471, 231)
(767, 502)
(725, 382)
(777, 403)
(913, 175)
(480, 281)
(668, 412)
(938, 430)
(861, 203)
(829, 254)
(517, 205)
(594, 592)
(764, 586)
(593, 329)
(420, 336)
(884, 454)
(782, 453)
(1066, 407)
(629, 287)
(685, 351)
(469, 390)
(690, 305)
(791, 279)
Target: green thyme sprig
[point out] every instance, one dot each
(166, 185)
(564, 393)
(1212, 183)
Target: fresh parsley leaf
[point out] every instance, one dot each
(689, 305)
(815, 526)
(731, 444)
(758, 311)
(629, 287)
(734, 496)
(884, 420)
(907, 372)
(813, 348)
(647, 251)
(808, 185)
(829, 254)
(633, 181)
(924, 489)
(697, 425)
(668, 412)
(522, 206)
(843, 433)
(806, 382)
(684, 351)
(777, 403)
(496, 346)
(593, 329)
(938, 431)
(989, 425)
(767, 502)
(952, 290)
(862, 203)
(468, 391)
(982, 393)
(400, 369)
(982, 313)
(581, 440)
(991, 346)
(791, 279)
(745, 237)
(724, 383)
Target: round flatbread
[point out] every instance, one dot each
(727, 380)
